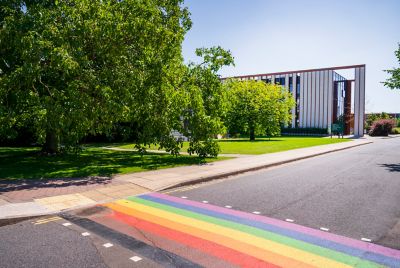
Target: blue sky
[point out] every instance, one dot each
(282, 35)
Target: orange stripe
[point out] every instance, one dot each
(223, 240)
(204, 246)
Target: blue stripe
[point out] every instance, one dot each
(371, 256)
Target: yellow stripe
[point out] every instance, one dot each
(55, 217)
(265, 255)
(47, 220)
(277, 248)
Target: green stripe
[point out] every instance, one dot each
(314, 249)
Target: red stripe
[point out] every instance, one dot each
(208, 247)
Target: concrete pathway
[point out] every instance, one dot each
(27, 198)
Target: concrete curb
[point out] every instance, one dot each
(237, 172)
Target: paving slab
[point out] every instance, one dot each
(23, 209)
(62, 202)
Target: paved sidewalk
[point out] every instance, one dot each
(27, 198)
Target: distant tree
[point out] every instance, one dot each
(257, 108)
(207, 102)
(76, 67)
(393, 82)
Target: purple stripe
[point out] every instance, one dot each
(291, 226)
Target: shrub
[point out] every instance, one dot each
(382, 127)
(207, 148)
(396, 130)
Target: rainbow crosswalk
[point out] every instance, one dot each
(240, 238)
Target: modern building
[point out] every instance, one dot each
(323, 97)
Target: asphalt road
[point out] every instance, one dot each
(354, 193)
(41, 242)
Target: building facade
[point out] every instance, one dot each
(323, 97)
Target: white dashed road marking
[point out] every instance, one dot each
(366, 239)
(289, 220)
(135, 258)
(324, 229)
(205, 201)
(67, 224)
(107, 245)
(184, 197)
(85, 234)
(256, 212)
(228, 206)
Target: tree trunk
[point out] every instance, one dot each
(252, 135)
(51, 144)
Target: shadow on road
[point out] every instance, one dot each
(391, 167)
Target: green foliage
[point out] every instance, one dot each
(382, 127)
(398, 122)
(393, 82)
(395, 130)
(81, 67)
(371, 118)
(257, 108)
(203, 102)
(204, 148)
(73, 68)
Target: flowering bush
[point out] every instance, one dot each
(382, 127)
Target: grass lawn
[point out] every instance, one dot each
(24, 163)
(261, 145)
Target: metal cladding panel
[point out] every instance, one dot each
(326, 91)
(322, 100)
(312, 110)
(362, 100)
(301, 100)
(303, 109)
(359, 101)
(309, 102)
(356, 101)
(330, 99)
(294, 87)
(317, 100)
(287, 82)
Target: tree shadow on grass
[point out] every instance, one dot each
(91, 166)
(391, 167)
(28, 184)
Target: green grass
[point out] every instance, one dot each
(261, 145)
(25, 163)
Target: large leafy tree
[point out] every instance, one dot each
(75, 67)
(257, 108)
(393, 82)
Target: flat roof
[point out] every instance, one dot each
(300, 71)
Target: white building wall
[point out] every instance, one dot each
(317, 100)
(359, 101)
(309, 99)
(330, 99)
(294, 92)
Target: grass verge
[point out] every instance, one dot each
(260, 145)
(24, 163)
